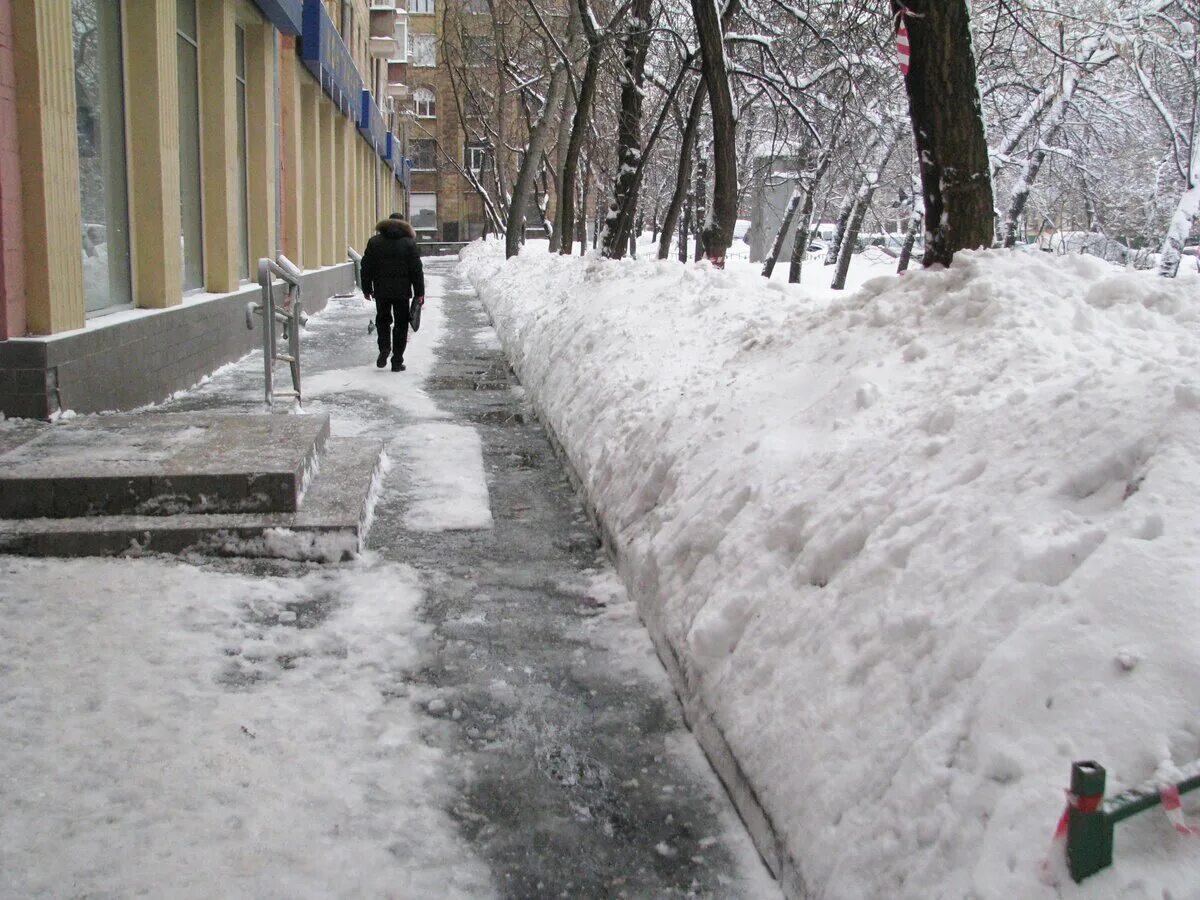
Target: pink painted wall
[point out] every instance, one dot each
(12, 233)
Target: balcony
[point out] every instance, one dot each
(383, 29)
(383, 19)
(383, 47)
(398, 90)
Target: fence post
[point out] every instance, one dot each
(1089, 828)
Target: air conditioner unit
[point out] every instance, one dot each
(398, 90)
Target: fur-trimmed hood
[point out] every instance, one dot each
(395, 228)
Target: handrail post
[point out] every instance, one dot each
(356, 258)
(291, 317)
(268, 316)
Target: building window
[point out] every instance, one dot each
(243, 167)
(474, 158)
(423, 212)
(191, 232)
(421, 7)
(424, 103)
(422, 50)
(100, 135)
(424, 154)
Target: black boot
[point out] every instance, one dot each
(397, 365)
(381, 360)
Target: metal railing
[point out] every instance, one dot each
(289, 314)
(356, 258)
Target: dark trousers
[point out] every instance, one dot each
(394, 338)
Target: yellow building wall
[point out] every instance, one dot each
(153, 111)
(44, 62)
(218, 145)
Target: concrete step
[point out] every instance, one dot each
(158, 465)
(330, 525)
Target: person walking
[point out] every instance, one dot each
(391, 274)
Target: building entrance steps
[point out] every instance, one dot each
(242, 485)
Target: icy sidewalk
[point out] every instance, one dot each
(471, 709)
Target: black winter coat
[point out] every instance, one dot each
(391, 264)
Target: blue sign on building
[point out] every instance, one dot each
(372, 127)
(325, 54)
(286, 15)
(393, 151)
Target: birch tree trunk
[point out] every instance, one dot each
(1184, 217)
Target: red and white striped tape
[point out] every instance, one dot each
(902, 52)
(1174, 810)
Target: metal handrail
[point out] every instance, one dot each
(290, 314)
(356, 258)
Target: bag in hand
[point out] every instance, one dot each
(414, 314)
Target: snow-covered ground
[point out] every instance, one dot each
(915, 546)
(250, 736)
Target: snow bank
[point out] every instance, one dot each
(914, 549)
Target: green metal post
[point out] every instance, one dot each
(1089, 828)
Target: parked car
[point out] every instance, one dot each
(1089, 243)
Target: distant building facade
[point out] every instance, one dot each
(445, 207)
(151, 151)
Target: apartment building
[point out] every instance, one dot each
(151, 151)
(444, 205)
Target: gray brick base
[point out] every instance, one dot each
(126, 362)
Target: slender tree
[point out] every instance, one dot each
(717, 233)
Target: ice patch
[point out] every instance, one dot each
(447, 486)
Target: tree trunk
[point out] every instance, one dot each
(862, 202)
(562, 143)
(685, 229)
(843, 219)
(579, 126)
(619, 220)
(583, 199)
(700, 200)
(781, 235)
(804, 228)
(683, 176)
(943, 99)
(529, 165)
(1184, 217)
(1033, 164)
(853, 227)
(910, 240)
(718, 231)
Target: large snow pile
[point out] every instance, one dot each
(914, 548)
